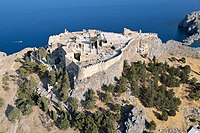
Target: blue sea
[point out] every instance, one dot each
(29, 23)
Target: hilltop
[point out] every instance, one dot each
(95, 81)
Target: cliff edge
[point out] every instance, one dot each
(191, 23)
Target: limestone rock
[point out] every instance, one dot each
(2, 54)
(191, 23)
(136, 121)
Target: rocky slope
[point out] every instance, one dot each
(136, 121)
(191, 23)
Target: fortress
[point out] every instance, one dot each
(95, 58)
(91, 51)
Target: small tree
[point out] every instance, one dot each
(90, 99)
(115, 107)
(193, 81)
(107, 97)
(172, 112)
(43, 103)
(1, 102)
(52, 77)
(182, 60)
(14, 114)
(121, 85)
(173, 59)
(154, 59)
(151, 125)
(64, 124)
(73, 103)
(164, 116)
(17, 60)
(111, 88)
(54, 115)
(42, 69)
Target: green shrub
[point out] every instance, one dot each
(1, 102)
(6, 88)
(172, 112)
(173, 59)
(18, 60)
(115, 107)
(151, 125)
(73, 103)
(14, 114)
(182, 60)
(164, 116)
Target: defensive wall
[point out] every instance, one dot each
(84, 72)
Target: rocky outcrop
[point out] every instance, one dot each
(175, 48)
(136, 121)
(2, 54)
(191, 23)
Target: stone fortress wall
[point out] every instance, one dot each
(94, 76)
(139, 40)
(101, 66)
(142, 48)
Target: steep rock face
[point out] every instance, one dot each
(136, 121)
(191, 23)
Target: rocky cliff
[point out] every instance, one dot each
(191, 23)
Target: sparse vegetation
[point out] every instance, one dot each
(143, 79)
(5, 82)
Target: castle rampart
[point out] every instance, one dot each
(102, 66)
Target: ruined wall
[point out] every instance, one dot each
(102, 66)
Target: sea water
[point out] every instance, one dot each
(29, 23)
